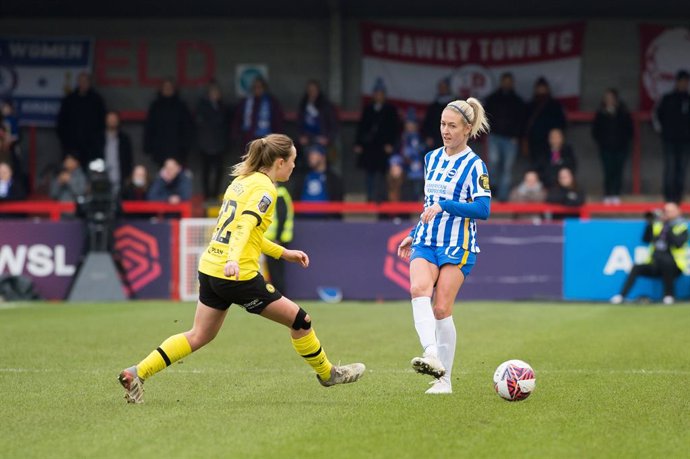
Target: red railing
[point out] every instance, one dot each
(54, 209)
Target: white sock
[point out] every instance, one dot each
(446, 337)
(424, 323)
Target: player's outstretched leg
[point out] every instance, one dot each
(308, 346)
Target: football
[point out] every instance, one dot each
(514, 380)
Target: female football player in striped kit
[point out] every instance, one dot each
(229, 272)
(443, 246)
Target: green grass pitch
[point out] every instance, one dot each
(612, 381)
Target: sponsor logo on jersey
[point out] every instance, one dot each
(484, 182)
(264, 203)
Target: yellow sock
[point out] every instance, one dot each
(171, 350)
(310, 349)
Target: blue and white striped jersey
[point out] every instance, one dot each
(462, 178)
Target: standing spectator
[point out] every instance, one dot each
(673, 115)
(544, 113)
(10, 189)
(81, 118)
(257, 115)
(212, 123)
(411, 158)
(10, 122)
(70, 184)
(169, 129)
(506, 112)
(320, 183)
(173, 184)
(430, 127)
(10, 137)
(317, 119)
(529, 190)
(137, 186)
(378, 131)
(566, 192)
(116, 150)
(560, 155)
(612, 130)
(280, 231)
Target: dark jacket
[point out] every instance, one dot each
(375, 129)
(613, 131)
(506, 111)
(15, 191)
(542, 116)
(213, 126)
(550, 165)
(80, 119)
(328, 120)
(169, 130)
(162, 191)
(131, 192)
(565, 196)
(673, 114)
(124, 145)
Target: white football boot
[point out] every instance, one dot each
(429, 364)
(440, 386)
(344, 374)
(134, 386)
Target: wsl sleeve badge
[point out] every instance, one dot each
(514, 380)
(264, 204)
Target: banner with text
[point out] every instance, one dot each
(411, 62)
(664, 51)
(35, 73)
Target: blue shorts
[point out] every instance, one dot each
(440, 256)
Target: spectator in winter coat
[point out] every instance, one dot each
(529, 190)
(213, 134)
(612, 130)
(115, 148)
(378, 131)
(81, 118)
(10, 189)
(173, 184)
(566, 192)
(560, 155)
(319, 183)
(257, 115)
(137, 186)
(70, 184)
(430, 127)
(544, 113)
(317, 120)
(506, 112)
(673, 115)
(169, 129)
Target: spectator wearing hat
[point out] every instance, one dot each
(317, 120)
(410, 159)
(258, 114)
(319, 183)
(378, 131)
(506, 112)
(544, 113)
(430, 126)
(673, 116)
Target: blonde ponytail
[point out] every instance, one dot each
(262, 153)
(473, 114)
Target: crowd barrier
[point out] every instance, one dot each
(55, 209)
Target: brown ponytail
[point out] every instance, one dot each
(262, 153)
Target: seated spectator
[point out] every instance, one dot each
(70, 182)
(137, 186)
(173, 184)
(560, 155)
(10, 189)
(566, 192)
(395, 177)
(320, 183)
(529, 190)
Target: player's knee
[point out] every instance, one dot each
(441, 311)
(420, 289)
(302, 320)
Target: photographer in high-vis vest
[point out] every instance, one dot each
(667, 235)
(280, 232)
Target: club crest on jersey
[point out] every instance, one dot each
(264, 203)
(451, 173)
(484, 182)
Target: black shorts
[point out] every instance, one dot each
(253, 295)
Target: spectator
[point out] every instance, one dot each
(430, 128)
(280, 232)
(395, 178)
(378, 131)
(673, 115)
(612, 130)
(212, 122)
(320, 183)
(566, 192)
(412, 150)
(544, 113)
(10, 189)
(317, 118)
(506, 112)
(560, 155)
(529, 190)
(81, 118)
(137, 186)
(257, 115)
(668, 240)
(169, 128)
(70, 183)
(10, 122)
(10, 137)
(173, 184)
(116, 150)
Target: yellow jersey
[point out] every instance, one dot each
(246, 213)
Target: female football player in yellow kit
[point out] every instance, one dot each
(229, 272)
